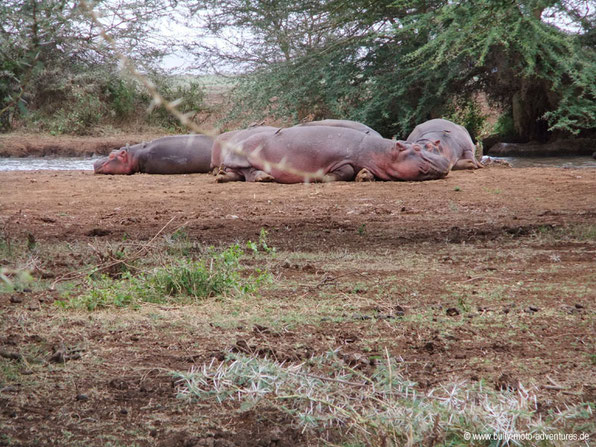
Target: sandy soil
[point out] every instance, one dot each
(465, 205)
(474, 232)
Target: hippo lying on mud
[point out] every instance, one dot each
(453, 140)
(178, 154)
(307, 153)
(226, 148)
(344, 123)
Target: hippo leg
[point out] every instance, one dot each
(365, 176)
(466, 163)
(228, 176)
(344, 173)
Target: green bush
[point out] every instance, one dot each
(189, 97)
(67, 103)
(123, 97)
(504, 126)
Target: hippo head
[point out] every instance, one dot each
(411, 161)
(118, 162)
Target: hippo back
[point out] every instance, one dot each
(224, 154)
(348, 124)
(177, 154)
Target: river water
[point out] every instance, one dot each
(86, 163)
(48, 163)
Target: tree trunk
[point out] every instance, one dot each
(528, 106)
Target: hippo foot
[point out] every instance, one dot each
(264, 178)
(256, 175)
(466, 163)
(365, 176)
(224, 177)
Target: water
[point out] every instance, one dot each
(572, 161)
(49, 163)
(86, 163)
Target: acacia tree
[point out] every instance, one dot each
(543, 75)
(46, 45)
(393, 64)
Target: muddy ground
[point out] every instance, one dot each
(482, 276)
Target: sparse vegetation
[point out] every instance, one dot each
(324, 393)
(382, 315)
(182, 281)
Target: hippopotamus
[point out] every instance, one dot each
(178, 154)
(227, 148)
(323, 153)
(453, 141)
(344, 123)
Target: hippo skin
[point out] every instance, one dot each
(344, 123)
(337, 153)
(227, 148)
(453, 141)
(178, 154)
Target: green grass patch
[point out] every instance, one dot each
(181, 281)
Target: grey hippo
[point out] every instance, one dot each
(178, 154)
(453, 141)
(348, 124)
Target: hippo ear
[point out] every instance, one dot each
(400, 146)
(122, 155)
(432, 145)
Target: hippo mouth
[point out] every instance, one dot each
(433, 166)
(99, 165)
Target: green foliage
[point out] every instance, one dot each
(263, 242)
(362, 229)
(58, 75)
(504, 126)
(219, 273)
(123, 97)
(188, 96)
(400, 63)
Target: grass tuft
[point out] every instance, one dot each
(181, 281)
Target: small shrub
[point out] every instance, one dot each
(123, 97)
(102, 293)
(189, 97)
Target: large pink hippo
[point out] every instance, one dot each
(227, 150)
(322, 153)
(344, 123)
(453, 141)
(178, 154)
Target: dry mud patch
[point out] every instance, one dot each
(484, 276)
